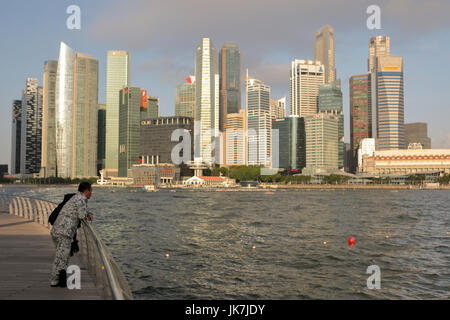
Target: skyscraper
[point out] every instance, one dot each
(31, 128)
(278, 108)
(236, 138)
(101, 137)
(292, 144)
(149, 108)
(390, 103)
(360, 114)
(379, 46)
(129, 128)
(230, 88)
(185, 98)
(306, 77)
(259, 123)
(417, 133)
(15, 136)
(76, 114)
(206, 103)
(324, 51)
(48, 158)
(117, 78)
(330, 102)
(322, 154)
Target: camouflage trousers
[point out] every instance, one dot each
(62, 256)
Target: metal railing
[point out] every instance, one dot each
(94, 253)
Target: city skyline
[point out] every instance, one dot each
(273, 73)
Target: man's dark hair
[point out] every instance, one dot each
(84, 186)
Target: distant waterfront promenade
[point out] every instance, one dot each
(262, 187)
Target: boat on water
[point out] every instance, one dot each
(149, 188)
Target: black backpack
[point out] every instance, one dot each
(55, 212)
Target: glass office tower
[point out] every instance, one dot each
(76, 114)
(117, 78)
(330, 102)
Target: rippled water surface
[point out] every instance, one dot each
(257, 245)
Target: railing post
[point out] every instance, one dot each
(3, 203)
(10, 205)
(15, 206)
(29, 209)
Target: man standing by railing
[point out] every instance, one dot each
(64, 230)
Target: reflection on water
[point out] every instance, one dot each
(286, 245)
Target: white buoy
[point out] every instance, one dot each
(167, 255)
(324, 242)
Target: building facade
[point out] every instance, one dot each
(390, 103)
(48, 157)
(306, 76)
(330, 102)
(76, 114)
(230, 87)
(366, 148)
(404, 162)
(324, 51)
(379, 46)
(155, 174)
(360, 114)
(129, 129)
(158, 146)
(236, 138)
(278, 108)
(206, 102)
(185, 98)
(417, 133)
(101, 137)
(322, 150)
(16, 131)
(31, 128)
(117, 78)
(259, 123)
(150, 110)
(291, 144)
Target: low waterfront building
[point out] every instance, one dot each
(209, 181)
(155, 174)
(403, 162)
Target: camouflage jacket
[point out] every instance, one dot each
(73, 211)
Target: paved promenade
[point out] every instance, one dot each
(26, 256)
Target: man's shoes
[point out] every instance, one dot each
(62, 280)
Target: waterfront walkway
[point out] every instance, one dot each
(26, 256)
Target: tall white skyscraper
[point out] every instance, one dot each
(117, 78)
(76, 114)
(324, 51)
(306, 77)
(207, 101)
(259, 123)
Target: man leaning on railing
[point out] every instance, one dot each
(64, 229)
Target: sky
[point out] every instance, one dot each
(162, 37)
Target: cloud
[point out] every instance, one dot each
(265, 25)
(170, 70)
